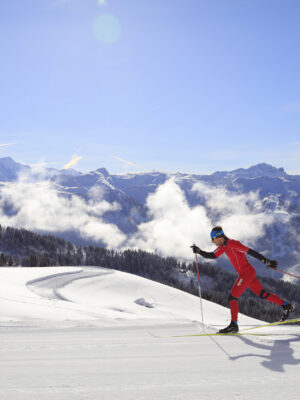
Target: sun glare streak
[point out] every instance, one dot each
(6, 144)
(73, 162)
(131, 164)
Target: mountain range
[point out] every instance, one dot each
(262, 190)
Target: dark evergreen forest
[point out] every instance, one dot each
(19, 247)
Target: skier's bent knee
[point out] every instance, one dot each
(230, 298)
(263, 294)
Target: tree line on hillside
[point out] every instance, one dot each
(19, 247)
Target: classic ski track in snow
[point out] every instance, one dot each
(82, 335)
(50, 286)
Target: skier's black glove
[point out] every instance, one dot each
(196, 249)
(271, 263)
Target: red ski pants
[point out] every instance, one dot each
(249, 280)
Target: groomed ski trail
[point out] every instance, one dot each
(50, 286)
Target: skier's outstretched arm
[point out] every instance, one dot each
(269, 263)
(204, 254)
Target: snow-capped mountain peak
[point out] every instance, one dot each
(9, 169)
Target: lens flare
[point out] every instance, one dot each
(107, 28)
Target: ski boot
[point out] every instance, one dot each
(286, 310)
(231, 328)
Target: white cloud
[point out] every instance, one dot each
(96, 192)
(174, 225)
(37, 205)
(240, 215)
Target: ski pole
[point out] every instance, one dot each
(198, 274)
(287, 273)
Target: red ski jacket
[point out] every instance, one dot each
(236, 252)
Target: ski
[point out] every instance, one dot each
(244, 332)
(287, 321)
(223, 334)
(210, 334)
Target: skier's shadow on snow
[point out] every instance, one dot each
(281, 353)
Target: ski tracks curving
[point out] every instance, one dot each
(50, 286)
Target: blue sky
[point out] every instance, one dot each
(137, 85)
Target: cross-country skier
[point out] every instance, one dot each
(236, 252)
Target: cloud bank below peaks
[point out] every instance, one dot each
(35, 203)
(241, 214)
(174, 225)
(38, 205)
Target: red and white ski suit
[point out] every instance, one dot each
(236, 252)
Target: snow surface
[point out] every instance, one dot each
(93, 333)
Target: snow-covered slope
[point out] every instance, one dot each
(90, 333)
(97, 296)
